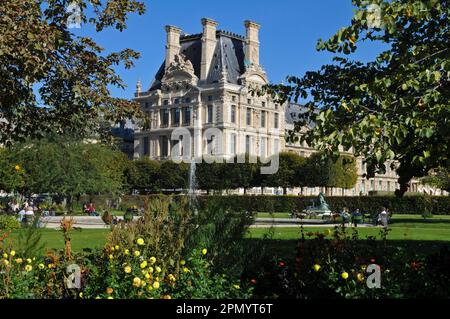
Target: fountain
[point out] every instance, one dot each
(192, 187)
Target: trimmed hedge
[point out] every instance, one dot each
(436, 205)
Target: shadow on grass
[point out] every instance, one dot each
(419, 221)
(286, 248)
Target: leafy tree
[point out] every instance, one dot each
(173, 176)
(290, 172)
(243, 174)
(393, 109)
(53, 80)
(69, 167)
(439, 178)
(11, 172)
(212, 176)
(143, 175)
(327, 172)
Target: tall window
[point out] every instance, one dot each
(363, 187)
(146, 146)
(164, 146)
(210, 147)
(233, 144)
(388, 186)
(276, 120)
(263, 118)
(164, 117)
(372, 185)
(263, 147)
(380, 185)
(176, 117)
(210, 114)
(249, 116)
(233, 114)
(186, 116)
(276, 146)
(248, 144)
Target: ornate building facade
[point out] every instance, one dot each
(201, 103)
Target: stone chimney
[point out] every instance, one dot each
(208, 45)
(173, 44)
(252, 42)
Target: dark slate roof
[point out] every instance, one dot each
(228, 55)
(292, 112)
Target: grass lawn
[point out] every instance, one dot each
(411, 230)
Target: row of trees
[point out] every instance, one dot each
(149, 176)
(69, 168)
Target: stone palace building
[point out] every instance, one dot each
(201, 103)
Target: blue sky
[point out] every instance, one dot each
(289, 33)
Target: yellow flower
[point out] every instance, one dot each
(171, 277)
(126, 252)
(157, 269)
(41, 266)
(140, 241)
(127, 269)
(150, 269)
(328, 232)
(19, 260)
(363, 267)
(109, 290)
(137, 253)
(387, 270)
(147, 276)
(12, 253)
(5, 262)
(29, 260)
(80, 294)
(143, 264)
(156, 285)
(50, 266)
(167, 297)
(204, 251)
(237, 286)
(117, 247)
(110, 297)
(5, 255)
(344, 275)
(182, 262)
(316, 267)
(149, 288)
(17, 167)
(360, 277)
(152, 260)
(185, 270)
(28, 268)
(111, 257)
(137, 282)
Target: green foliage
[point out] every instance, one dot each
(173, 176)
(222, 232)
(53, 80)
(439, 178)
(69, 167)
(143, 175)
(291, 172)
(334, 265)
(8, 223)
(11, 172)
(390, 110)
(29, 241)
(325, 172)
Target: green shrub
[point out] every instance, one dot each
(8, 222)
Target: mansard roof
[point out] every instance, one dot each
(228, 56)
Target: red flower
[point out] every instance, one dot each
(372, 261)
(414, 265)
(281, 263)
(253, 281)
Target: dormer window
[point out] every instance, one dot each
(166, 102)
(263, 104)
(177, 101)
(210, 98)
